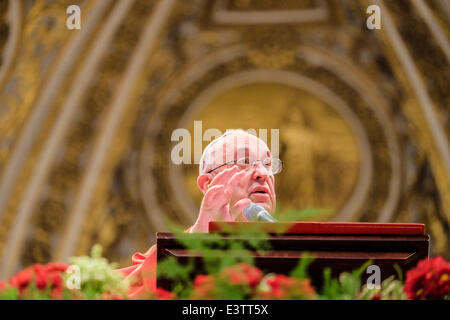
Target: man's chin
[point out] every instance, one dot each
(266, 206)
(262, 201)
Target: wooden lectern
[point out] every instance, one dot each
(340, 246)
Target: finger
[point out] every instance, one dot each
(214, 194)
(224, 176)
(240, 179)
(237, 188)
(215, 205)
(236, 178)
(233, 184)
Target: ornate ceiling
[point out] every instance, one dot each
(86, 115)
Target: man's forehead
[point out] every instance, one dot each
(242, 138)
(242, 145)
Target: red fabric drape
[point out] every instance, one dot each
(142, 272)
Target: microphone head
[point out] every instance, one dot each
(251, 212)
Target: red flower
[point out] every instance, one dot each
(40, 276)
(201, 279)
(376, 296)
(48, 276)
(283, 287)
(55, 281)
(242, 274)
(429, 280)
(162, 294)
(56, 293)
(203, 287)
(56, 266)
(21, 279)
(2, 285)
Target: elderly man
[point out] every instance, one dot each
(235, 170)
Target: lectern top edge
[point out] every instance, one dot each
(323, 228)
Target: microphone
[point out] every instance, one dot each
(255, 212)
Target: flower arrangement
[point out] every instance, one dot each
(98, 280)
(86, 278)
(239, 281)
(279, 286)
(430, 279)
(244, 281)
(36, 282)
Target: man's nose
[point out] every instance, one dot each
(260, 173)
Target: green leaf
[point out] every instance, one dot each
(301, 270)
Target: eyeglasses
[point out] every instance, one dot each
(273, 165)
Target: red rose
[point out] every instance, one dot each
(242, 274)
(203, 287)
(429, 280)
(2, 285)
(21, 279)
(201, 279)
(55, 281)
(56, 293)
(48, 276)
(56, 266)
(39, 268)
(40, 276)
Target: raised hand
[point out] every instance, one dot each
(225, 191)
(237, 189)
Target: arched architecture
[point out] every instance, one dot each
(86, 115)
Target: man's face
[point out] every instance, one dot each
(240, 146)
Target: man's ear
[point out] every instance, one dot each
(203, 182)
